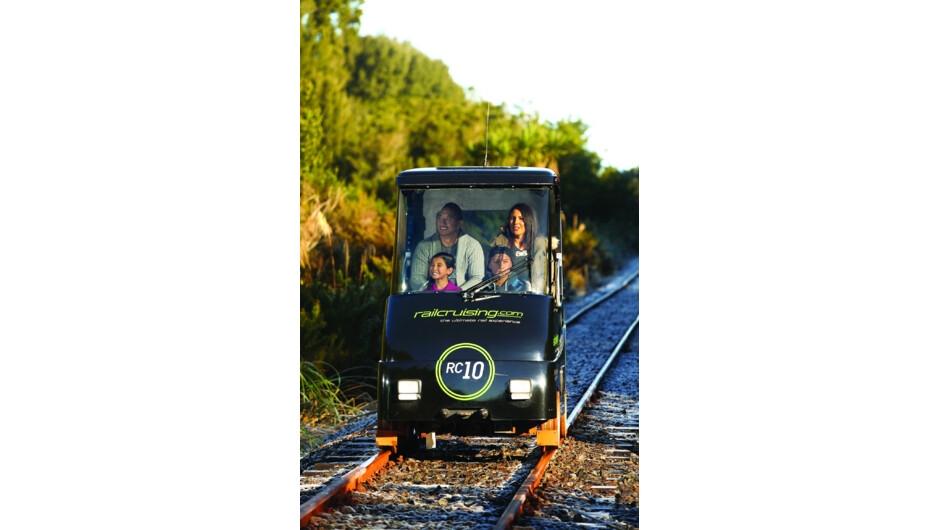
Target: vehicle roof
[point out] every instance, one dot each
(477, 175)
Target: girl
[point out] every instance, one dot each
(442, 266)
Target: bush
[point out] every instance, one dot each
(585, 257)
(342, 326)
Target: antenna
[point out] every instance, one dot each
(486, 148)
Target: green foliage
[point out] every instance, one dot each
(315, 155)
(327, 398)
(527, 146)
(371, 107)
(385, 69)
(328, 33)
(585, 257)
(609, 198)
(619, 203)
(329, 391)
(342, 326)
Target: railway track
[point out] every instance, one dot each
(594, 476)
(464, 481)
(616, 452)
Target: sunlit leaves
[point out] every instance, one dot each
(371, 107)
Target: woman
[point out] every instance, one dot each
(500, 262)
(520, 235)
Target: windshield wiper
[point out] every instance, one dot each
(468, 294)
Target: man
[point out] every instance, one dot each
(466, 251)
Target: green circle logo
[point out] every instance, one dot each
(465, 371)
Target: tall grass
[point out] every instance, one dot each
(328, 397)
(325, 395)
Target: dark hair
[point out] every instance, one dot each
(498, 249)
(494, 251)
(531, 224)
(458, 213)
(449, 260)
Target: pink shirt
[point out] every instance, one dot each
(451, 286)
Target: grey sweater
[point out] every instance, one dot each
(469, 258)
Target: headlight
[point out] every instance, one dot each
(409, 389)
(520, 389)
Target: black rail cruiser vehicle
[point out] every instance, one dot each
(489, 358)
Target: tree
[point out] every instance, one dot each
(528, 145)
(328, 33)
(559, 141)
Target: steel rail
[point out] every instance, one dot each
(339, 488)
(364, 471)
(600, 374)
(518, 500)
(584, 309)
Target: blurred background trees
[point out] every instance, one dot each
(371, 107)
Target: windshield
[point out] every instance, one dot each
(451, 239)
